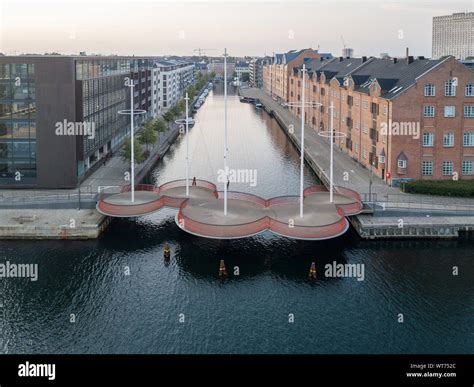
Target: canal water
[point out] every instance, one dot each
(181, 306)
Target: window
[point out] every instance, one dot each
(469, 111)
(426, 168)
(448, 140)
(430, 90)
(450, 88)
(365, 128)
(428, 111)
(449, 111)
(365, 104)
(468, 139)
(428, 139)
(385, 110)
(364, 153)
(467, 167)
(381, 159)
(469, 92)
(447, 168)
(356, 148)
(402, 163)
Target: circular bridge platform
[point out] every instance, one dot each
(202, 212)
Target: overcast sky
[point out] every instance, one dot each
(157, 27)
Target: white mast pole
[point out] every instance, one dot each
(187, 146)
(132, 144)
(225, 130)
(331, 162)
(303, 71)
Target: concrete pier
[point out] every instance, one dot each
(61, 220)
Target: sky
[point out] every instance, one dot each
(254, 28)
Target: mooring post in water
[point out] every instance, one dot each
(222, 270)
(312, 271)
(167, 251)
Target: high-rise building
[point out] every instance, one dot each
(347, 52)
(453, 35)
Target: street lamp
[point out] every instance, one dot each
(303, 104)
(332, 134)
(129, 83)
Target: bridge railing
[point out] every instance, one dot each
(419, 202)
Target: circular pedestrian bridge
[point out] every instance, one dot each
(202, 212)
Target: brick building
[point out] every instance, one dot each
(409, 118)
(276, 74)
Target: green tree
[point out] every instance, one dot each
(177, 109)
(126, 151)
(168, 117)
(191, 92)
(245, 77)
(159, 125)
(148, 134)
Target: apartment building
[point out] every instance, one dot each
(402, 118)
(175, 76)
(277, 73)
(453, 35)
(256, 71)
(241, 68)
(218, 69)
(59, 115)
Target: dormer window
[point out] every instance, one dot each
(402, 164)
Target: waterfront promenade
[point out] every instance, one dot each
(410, 216)
(317, 155)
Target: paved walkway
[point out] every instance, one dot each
(317, 149)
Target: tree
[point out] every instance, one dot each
(148, 134)
(168, 117)
(126, 151)
(191, 92)
(245, 77)
(176, 110)
(159, 125)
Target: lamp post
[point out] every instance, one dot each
(370, 179)
(129, 83)
(225, 131)
(303, 73)
(331, 157)
(303, 104)
(187, 144)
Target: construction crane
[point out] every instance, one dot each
(202, 50)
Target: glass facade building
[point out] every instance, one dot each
(104, 94)
(17, 123)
